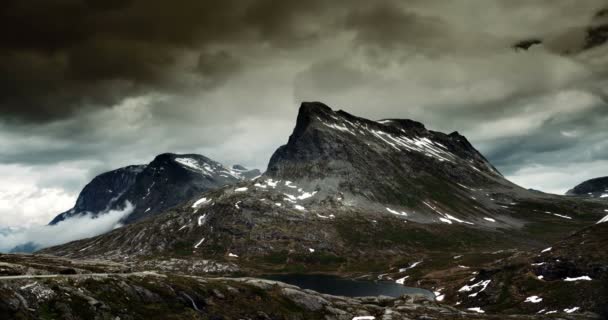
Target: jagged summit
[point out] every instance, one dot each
(383, 160)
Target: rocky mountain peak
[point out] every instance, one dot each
(308, 114)
(335, 150)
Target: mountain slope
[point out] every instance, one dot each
(594, 188)
(570, 275)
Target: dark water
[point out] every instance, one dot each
(347, 287)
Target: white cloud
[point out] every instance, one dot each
(34, 195)
(533, 113)
(558, 179)
(68, 230)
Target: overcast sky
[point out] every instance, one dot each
(87, 86)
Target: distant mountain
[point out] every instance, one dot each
(594, 188)
(167, 181)
(25, 248)
(352, 191)
(246, 173)
(102, 192)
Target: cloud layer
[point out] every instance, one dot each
(68, 230)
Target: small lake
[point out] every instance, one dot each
(347, 287)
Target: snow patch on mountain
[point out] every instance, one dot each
(582, 278)
(200, 202)
(534, 299)
(604, 219)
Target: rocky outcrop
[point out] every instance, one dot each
(150, 295)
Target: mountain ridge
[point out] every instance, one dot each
(168, 180)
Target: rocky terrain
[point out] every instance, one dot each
(568, 276)
(85, 290)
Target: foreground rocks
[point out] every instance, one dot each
(147, 295)
(152, 296)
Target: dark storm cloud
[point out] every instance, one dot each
(216, 67)
(566, 139)
(57, 56)
(62, 56)
(388, 26)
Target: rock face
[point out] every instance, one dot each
(387, 161)
(167, 181)
(594, 188)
